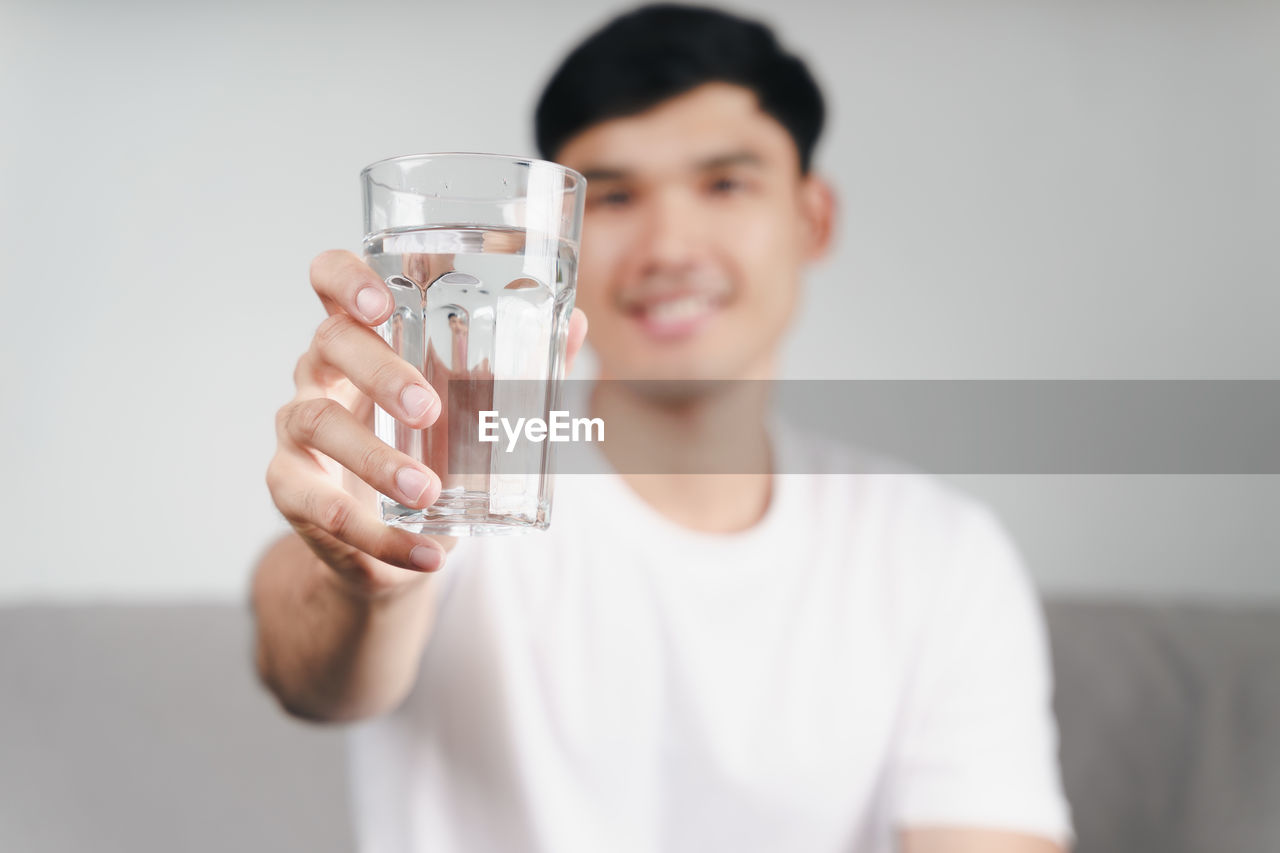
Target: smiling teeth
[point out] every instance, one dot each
(676, 310)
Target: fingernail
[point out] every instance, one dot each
(371, 301)
(427, 559)
(416, 400)
(412, 483)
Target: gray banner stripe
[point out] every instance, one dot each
(978, 426)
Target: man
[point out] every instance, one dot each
(748, 662)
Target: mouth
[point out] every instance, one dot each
(675, 315)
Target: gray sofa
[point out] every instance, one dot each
(142, 728)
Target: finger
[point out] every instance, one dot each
(361, 355)
(313, 376)
(326, 426)
(577, 334)
(340, 528)
(345, 283)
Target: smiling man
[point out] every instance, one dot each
(748, 662)
(701, 223)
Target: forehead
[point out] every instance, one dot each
(709, 121)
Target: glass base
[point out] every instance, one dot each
(461, 514)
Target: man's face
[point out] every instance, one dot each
(698, 225)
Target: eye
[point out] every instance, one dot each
(613, 198)
(726, 186)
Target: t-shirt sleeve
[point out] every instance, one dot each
(978, 744)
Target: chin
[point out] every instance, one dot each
(661, 366)
(709, 353)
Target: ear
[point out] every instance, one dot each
(818, 212)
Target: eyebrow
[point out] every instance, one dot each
(718, 161)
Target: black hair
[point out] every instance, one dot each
(662, 50)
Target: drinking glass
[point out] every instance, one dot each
(480, 252)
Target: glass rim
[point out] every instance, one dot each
(579, 180)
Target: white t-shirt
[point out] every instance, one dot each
(870, 655)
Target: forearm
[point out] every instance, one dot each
(326, 651)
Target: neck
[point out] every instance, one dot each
(701, 459)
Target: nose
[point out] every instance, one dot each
(673, 233)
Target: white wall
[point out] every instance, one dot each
(1054, 190)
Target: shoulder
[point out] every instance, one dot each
(929, 538)
(900, 497)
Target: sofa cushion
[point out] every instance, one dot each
(1170, 724)
(142, 728)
